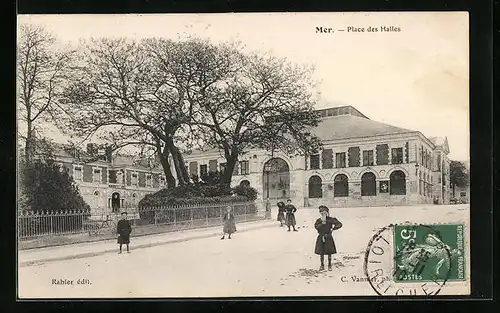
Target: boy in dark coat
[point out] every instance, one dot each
(324, 242)
(290, 210)
(123, 229)
(281, 213)
(229, 224)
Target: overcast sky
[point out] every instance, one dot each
(416, 78)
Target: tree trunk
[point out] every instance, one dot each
(170, 180)
(178, 166)
(227, 176)
(28, 149)
(182, 167)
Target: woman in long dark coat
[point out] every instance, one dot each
(229, 223)
(281, 213)
(290, 210)
(123, 229)
(324, 242)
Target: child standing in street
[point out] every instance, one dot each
(229, 223)
(324, 242)
(123, 229)
(290, 210)
(281, 213)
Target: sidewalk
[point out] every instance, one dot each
(91, 249)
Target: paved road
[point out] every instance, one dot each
(262, 262)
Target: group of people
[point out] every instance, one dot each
(124, 228)
(286, 214)
(325, 225)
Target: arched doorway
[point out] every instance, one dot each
(341, 186)
(134, 200)
(368, 184)
(115, 202)
(97, 199)
(315, 184)
(397, 185)
(276, 179)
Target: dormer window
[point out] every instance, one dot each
(77, 173)
(134, 179)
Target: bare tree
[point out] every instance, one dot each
(136, 93)
(267, 103)
(42, 73)
(190, 70)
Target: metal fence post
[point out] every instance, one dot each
(246, 211)
(82, 226)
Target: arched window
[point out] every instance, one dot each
(245, 183)
(115, 202)
(315, 187)
(397, 183)
(341, 186)
(368, 184)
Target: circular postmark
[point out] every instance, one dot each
(407, 260)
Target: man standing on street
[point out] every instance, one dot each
(290, 210)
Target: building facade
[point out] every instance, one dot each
(362, 163)
(111, 184)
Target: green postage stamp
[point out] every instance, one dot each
(426, 253)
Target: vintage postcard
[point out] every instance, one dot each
(243, 155)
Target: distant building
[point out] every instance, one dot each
(111, 183)
(362, 163)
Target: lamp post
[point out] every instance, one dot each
(418, 177)
(267, 169)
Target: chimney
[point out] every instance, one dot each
(90, 148)
(109, 153)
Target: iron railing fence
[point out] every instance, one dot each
(171, 218)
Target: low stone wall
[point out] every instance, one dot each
(368, 201)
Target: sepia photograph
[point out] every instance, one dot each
(240, 155)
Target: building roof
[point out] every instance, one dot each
(127, 160)
(340, 110)
(350, 126)
(343, 122)
(440, 142)
(437, 141)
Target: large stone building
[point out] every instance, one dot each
(362, 163)
(110, 184)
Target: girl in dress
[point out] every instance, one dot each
(229, 224)
(324, 242)
(290, 210)
(281, 213)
